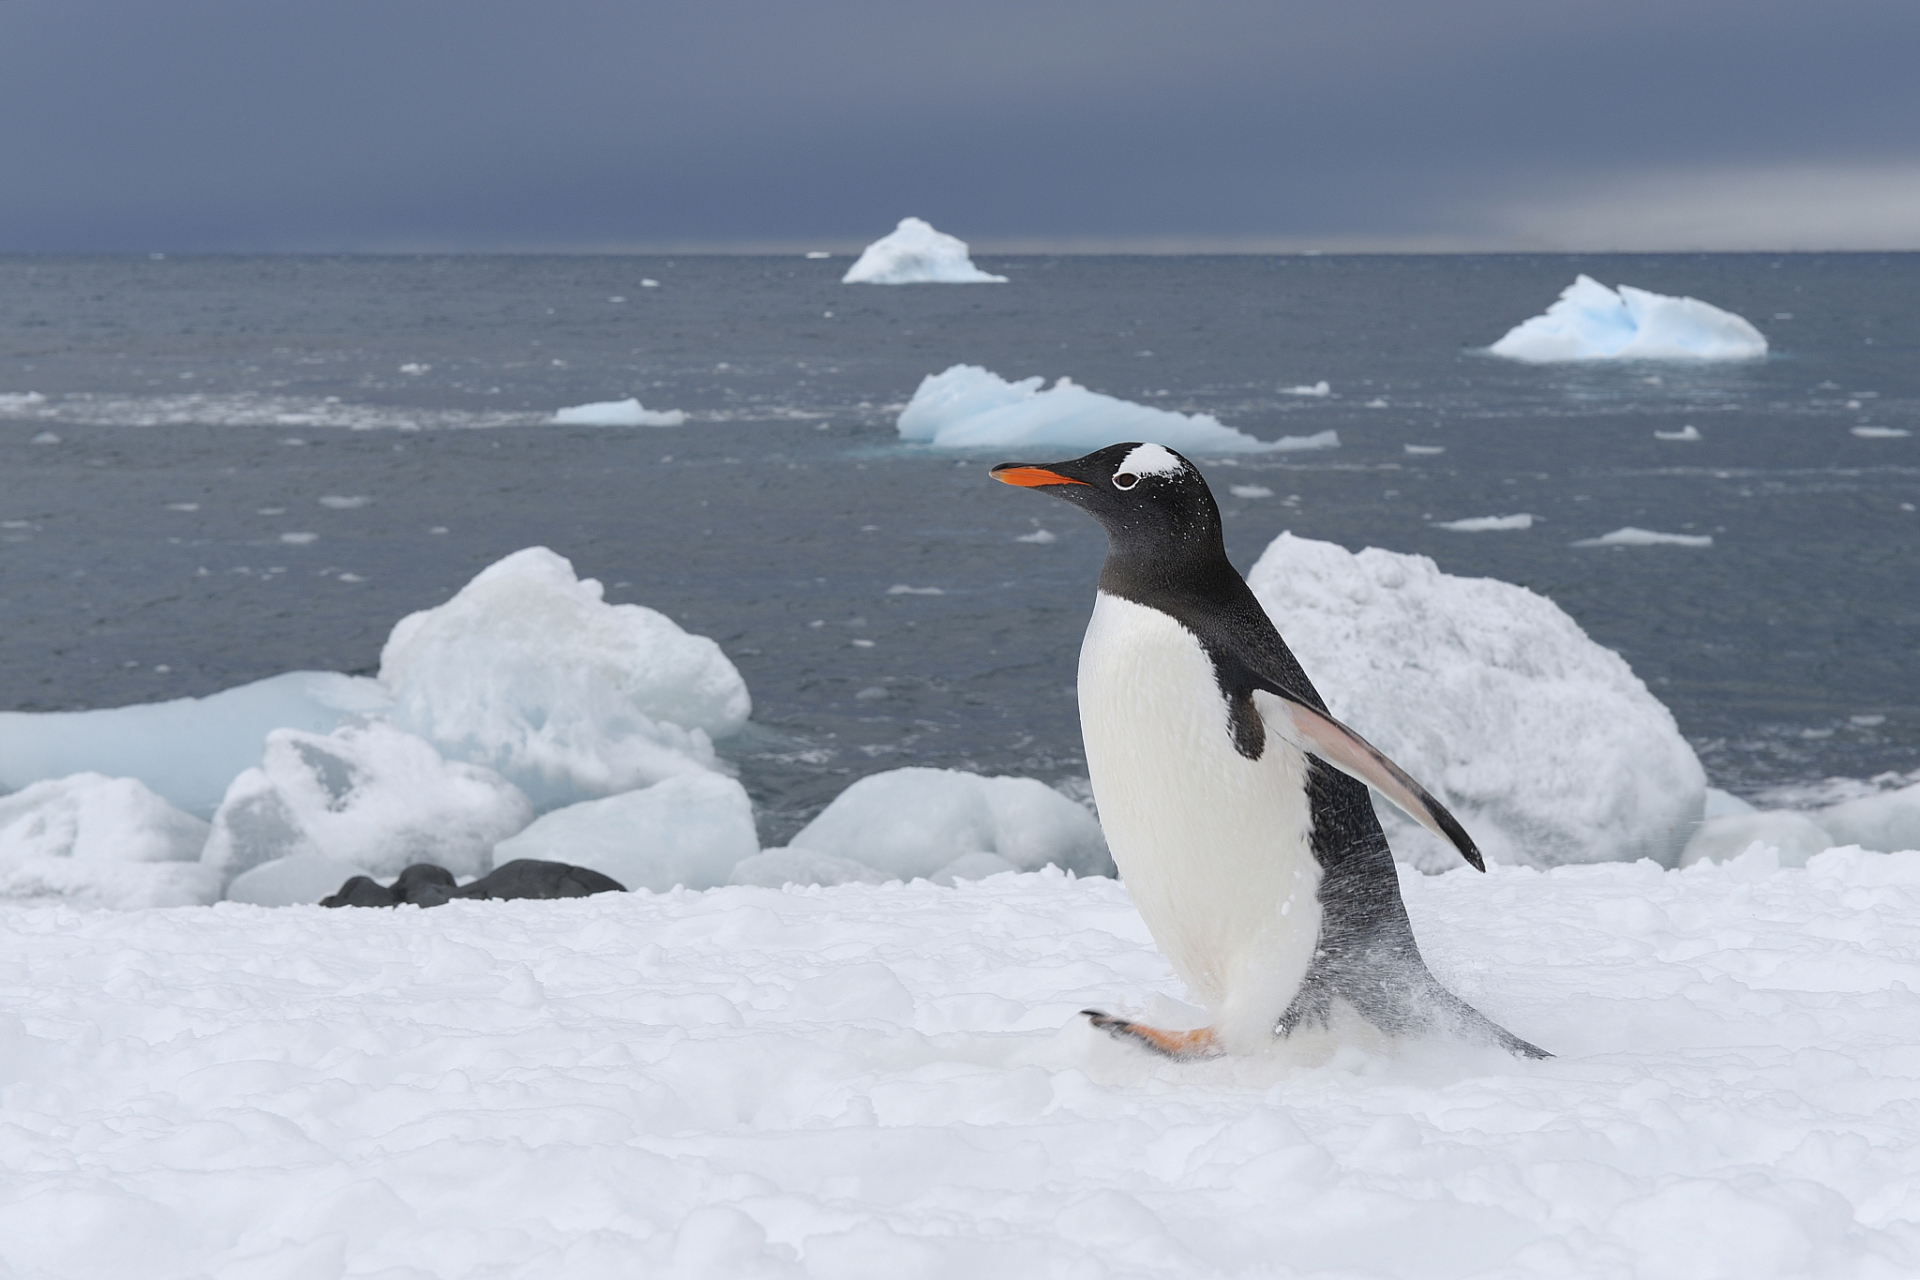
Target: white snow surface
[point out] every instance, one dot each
(1543, 743)
(923, 822)
(690, 830)
(1593, 322)
(968, 407)
(892, 1081)
(618, 413)
(100, 842)
(530, 672)
(915, 253)
(368, 796)
(188, 749)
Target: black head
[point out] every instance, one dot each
(1163, 528)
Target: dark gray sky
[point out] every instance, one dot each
(478, 124)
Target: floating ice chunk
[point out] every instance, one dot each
(344, 502)
(774, 868)
(914, 253)
(1422, 450)
(188, 749)
(691, 830)
(1792, 836)
(529, 672)
(967, 407)
(291, 881)
(1882, 433)
(1487, 524)
(1632, 537)
(97, 842)
(1249, 491)
(45, 437)
(618, 413)
(916, 822)
(1592, 322)
(902, 589)
(1688, 432)
(1888, 822)
(415, 368)
(1321, 388)
(1544, 744)
(12, 401)
(1724, 804)
(818, 253)
(369, 796)
(1039, 537)
(299, 539)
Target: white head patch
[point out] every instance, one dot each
(1150, 460)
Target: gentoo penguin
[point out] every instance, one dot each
(1236, 807)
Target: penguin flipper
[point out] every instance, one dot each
(1201, 1043)
(1353, 755)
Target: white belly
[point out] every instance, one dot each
(1214, 847)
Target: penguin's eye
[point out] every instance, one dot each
(1125, 480)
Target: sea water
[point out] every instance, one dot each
(215, 469)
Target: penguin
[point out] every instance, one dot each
(1234, 804)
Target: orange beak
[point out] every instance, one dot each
(1030, 477)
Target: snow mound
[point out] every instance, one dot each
(915, 253)
(1592, 322)
(617, 413)
(1889, 821)
(1544, 744)
(368, 796)
(1487, 524)
(529, 672)
(967, 407)
(918, 822)
(1793, 838)
(691, 830)
(1632, 537)
(95, 841)
(188, 749)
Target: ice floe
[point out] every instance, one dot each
(95, 841)
(1593, 322)
(1321, 389)
(1543, 743)
(1487, 524)
(1249, 492)
(1632, 537)
(915, 253)
(689, 830)
(967, 407)
(1881, 433)
(1687, 433)
(618, 413)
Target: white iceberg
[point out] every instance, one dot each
(1632, 537)
(617, 413)
(367, 796)
(1687, 433)
(188, 749)
(1593, 322)
(915, 253)
(917, 822)
(94, 841)
(968, 407)
(529, 672)
(1487, 524)
(691, 830)
(1543, 743)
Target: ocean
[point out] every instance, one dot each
(217, 469)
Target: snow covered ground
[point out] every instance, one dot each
(1593, 322)
(891, 1081)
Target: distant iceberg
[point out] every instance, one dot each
(617, 413)
(1592, 322)
(968, 407)
(917, 254)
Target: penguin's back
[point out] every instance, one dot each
(1215, 848)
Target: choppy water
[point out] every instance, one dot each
(207, 408)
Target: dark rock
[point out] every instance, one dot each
(425, 885)
(360, 892)
(533, 878)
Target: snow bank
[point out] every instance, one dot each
(1592, 322)
(935, 823)
(894, 1081)
(689, 830)
(914, 253)
(187, 750)
(1544, 744)
(368, 796)
(529, 672)
(968, 407)
(617, 413)
(96, 841)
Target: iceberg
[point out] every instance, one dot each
(367, 796)
(1593, 322)
(617, 413)
(691, 830)
(1632, 537)
(918, 822)
(1487, 524)
(915, 253)
(100, 842)
(968, 407)
(529, 672)
(1544, 744)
